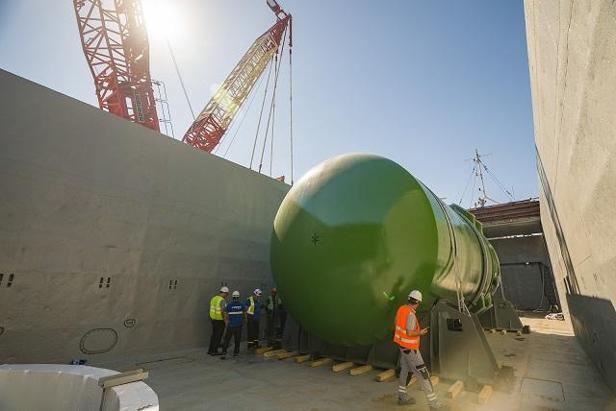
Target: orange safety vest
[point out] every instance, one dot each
(400, 336)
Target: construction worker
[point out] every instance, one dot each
(273, 306)
(235, 315)
(217, 308)
(407, 335)
(253, 312)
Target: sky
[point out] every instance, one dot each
(423, 83)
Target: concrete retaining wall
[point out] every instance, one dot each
(572, 62)
(526, 273)
(113, 237)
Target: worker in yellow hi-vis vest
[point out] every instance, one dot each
(253, 314)
(217, 308)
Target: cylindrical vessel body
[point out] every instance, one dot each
(357, 233)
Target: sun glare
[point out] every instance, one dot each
(160, 18)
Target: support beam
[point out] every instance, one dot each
(321, 361)
(455, 389)
(343, 366)
(273, 353)
(263, 350)
(123, 378)
(302, 358)
(485, 394)
(386, 375)
(287, 354)
(361, 370)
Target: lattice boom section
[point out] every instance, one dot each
(209, 128)
(115, 43)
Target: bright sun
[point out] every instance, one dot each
(160, 18)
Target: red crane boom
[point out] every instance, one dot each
(210, 126)
(115, 43)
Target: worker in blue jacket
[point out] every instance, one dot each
(235, 315)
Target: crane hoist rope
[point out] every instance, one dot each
(215, 119)
(254, 145)
(272, 110)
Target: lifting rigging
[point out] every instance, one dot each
(115, 42)
(213, 122)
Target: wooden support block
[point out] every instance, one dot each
(302, 358)
(386, 375)
(455, 389)
(263, 350)
(361, 370)
(273, 353)
(485, 394)
(122, 378)
(434, 380)
(321, 361)
(286, 355)
(342, 366)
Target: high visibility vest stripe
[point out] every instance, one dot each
(400, 336)
(235, 312)
(215, 311)
(251, 307)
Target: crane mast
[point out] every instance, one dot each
(212, 123)
(115, 43)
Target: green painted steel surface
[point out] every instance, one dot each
(357, 233)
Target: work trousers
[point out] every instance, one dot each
(275, 326)
(411, 361)
(271, 330)
(253, 332)
(236, 333)
(283, 321)
(218, 327)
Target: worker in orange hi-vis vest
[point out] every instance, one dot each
(407, 335)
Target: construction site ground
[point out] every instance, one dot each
(551, 373)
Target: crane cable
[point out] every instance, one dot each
(271, 163)
(254, 145)
(272, 104)
(291, 94)
(177, 71)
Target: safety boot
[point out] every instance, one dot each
(438, 406)
(406, 401)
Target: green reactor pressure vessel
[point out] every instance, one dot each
(357, 233)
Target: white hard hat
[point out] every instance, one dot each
(236, 294)
(416, 295)
(257, 292)
(224, 289)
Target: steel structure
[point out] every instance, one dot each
(115, 43)
(210, 126)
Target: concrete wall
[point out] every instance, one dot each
(89, 199)
(572, 63)
(526, 272)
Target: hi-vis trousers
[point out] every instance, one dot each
(411, 361)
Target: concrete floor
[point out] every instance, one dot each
(551, 373)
